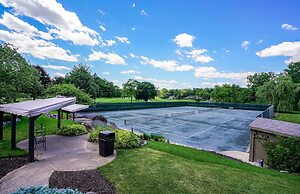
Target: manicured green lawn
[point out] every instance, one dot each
(116, 100)
(289, 117)
(166, 168)
(22, 133)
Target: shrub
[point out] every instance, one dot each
(69, 90)
(43, 189)
(284, 154)
(100, 117)
(153, 137)
(124, 139)
(72, 130)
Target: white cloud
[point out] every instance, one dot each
(110, 42)
(157, 82)
(287, 49)
(56, 67)
(212, 84)
(199, 55)
(288, 27)
(37, 48)
(18, 25)
(109, 58)
(178, 52)
(65, 24)
(132, 55)
(144, 13)
(60, 74)
(106, 73)
(102, 12)
(133, 5)
(184, 40)
(211, 72)
(133, 28)
(102, 28)
(260, 41)
(130, 72)
(245, 44)
(168, 65)
(122, 39)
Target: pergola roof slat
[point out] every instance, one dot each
(75, 108)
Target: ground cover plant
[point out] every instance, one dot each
(289, 117)
(43, 189)
(167, 168)
(72, 130)
(124, 139)
(22, 133)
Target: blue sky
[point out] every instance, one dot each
(174, 44)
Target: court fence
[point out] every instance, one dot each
(268, 110)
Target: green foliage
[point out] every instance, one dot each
(124, 139)
(43, 189)
(18, 79)
(258, 79)
(293, 71)
(153, 137)
(129, 88)
(226, 93)
(164, 93)
(44, 76)
(145, 91)
(69, 90)
(72, 130)
(203, 94)
(284, 154)
(107, 88)
(100, 117)
(81, 77)
(279, 92)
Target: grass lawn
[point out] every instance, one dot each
(22, 133)
(117, 100)
(167, 168)
(289, 117)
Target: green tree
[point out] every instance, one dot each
(69, 90)
(44, 76)
(18, 79)
(164, 93)
(293, 71)
(226, 93)
(258, 79)
(203, 94)
(58, 80)
(145, 91)
(81, 77)
(129, 88)
(279, 92)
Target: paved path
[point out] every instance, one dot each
(63, 154)
(243, 156)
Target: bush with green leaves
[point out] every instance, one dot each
(284, 154)
(124, 139)
(72, 130)
(153, 137)
(69, 90)
(46, 190)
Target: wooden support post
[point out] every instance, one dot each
(67, 115)
(13, 131)
(1, 125)
(31, 138)
(58, 118)
(73, 116)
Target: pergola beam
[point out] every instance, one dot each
(1, 125)
(13, 131)
(58, 118)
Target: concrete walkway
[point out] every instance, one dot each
(63, 154)
(242, 156)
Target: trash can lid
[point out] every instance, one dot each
(106, 134)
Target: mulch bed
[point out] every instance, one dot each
(84, 181)
(9, 164)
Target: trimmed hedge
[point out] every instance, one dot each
(284, 154)
(47, 190)
(124, 139)
(72, 130)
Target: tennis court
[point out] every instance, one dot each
(206, 128)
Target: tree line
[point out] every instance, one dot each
(21, 80)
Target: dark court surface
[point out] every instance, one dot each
(205, 128)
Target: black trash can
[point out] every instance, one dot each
(106, 143)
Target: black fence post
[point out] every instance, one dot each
(58, 118)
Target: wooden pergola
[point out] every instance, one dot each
(32, 109)
(73, 109)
